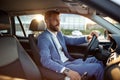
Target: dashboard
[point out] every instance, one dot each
(114, 49)
(115, 42)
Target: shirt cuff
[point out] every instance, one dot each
(86, 39)
(62, 69)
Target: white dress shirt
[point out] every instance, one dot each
(59, 48)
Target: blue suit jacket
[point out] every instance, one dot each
(48, 52)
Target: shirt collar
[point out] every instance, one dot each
(53, 34)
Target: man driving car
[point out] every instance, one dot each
(54, 55)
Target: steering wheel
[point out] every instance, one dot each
(94, 43)
(100, 52)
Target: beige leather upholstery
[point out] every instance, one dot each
(15, 62)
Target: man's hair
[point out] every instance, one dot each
(51, 12)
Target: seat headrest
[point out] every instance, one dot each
(36, 25)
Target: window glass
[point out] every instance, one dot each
(71, 25)
(18, 28)
(76, 25)
(3, 31)
(4, 28)
(26, 20)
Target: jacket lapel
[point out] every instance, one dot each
(62, 43)
(52, 41)
(60, 39)
(64, 48)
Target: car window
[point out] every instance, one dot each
(76, 25)
(3, 31)
(26, 20)
(71, 25)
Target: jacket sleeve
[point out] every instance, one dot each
(45, 56)
(75, 41)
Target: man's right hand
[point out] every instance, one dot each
(73, 75)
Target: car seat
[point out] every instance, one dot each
(14, 61)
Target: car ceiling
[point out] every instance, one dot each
(19, 7)
(22, 7)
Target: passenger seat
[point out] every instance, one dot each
(14, 61)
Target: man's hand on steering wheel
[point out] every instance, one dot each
(89, 37)
(93, 44)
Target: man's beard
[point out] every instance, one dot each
(54, 27)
